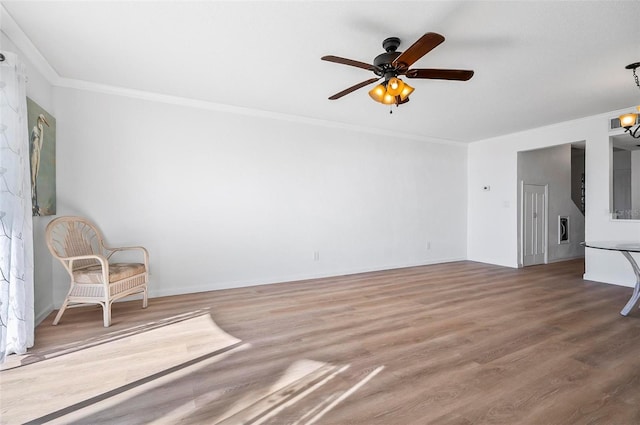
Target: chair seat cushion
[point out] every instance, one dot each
(117, 271)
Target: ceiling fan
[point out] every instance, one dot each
(392, 64)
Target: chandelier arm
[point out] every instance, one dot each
(636, 131)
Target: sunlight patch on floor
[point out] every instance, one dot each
(337, 398)
(301, 380)
(109, 378)
(72, 378)
(258, 406)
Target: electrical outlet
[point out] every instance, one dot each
(428, 244)
(316, 255)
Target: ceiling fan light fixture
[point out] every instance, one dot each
(392, 64)
(378, 92)
(395, 86)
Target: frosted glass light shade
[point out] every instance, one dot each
(628, 120)
(395, 86)
(378, 92)
(388, 99)
(406, 91)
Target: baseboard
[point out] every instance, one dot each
(165, 292)
(606, 279)
(43, 314)
(558, 260)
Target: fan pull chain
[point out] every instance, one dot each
(397, 104)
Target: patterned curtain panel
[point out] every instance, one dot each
(16, 233)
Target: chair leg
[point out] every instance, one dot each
(144, 298)
(106, 313)
(63, 307)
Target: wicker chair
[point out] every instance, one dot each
(80, 248)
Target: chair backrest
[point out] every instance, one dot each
(69, 236)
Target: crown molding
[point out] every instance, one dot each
(13, 31)
(219, 107)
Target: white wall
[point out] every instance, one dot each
(552, 167)
(223, 199)
(492, 220)
(38, 89)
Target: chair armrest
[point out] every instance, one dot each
(144, 251)
(104, 262)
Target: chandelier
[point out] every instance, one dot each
(629, 120)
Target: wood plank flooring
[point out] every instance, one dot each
(457, 343)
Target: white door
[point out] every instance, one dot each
(534, 224)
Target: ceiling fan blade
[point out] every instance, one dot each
(440, 74)
(350, 62)
(424, 45)
(353, 88)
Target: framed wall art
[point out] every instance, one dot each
(42, 157)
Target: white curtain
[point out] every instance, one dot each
(16, 232)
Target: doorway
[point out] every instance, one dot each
(554, 198)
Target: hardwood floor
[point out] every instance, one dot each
(457, 343)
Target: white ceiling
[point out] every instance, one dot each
(536, 63)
